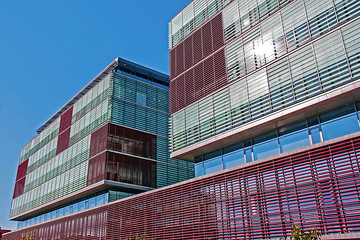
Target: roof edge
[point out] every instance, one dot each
(82, 92)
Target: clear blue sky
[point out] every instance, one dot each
(49, 50)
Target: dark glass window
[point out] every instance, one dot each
(313, 121)
(198, 159)
(131, 141)
(292, 128)
(212, 155)
(131, 170)
(232, 148)
(337, 113)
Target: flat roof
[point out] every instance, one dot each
(120, 63)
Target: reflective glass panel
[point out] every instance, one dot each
(199, 169)
(75, 207)
(92, 202)
(266, 149)
(315, 134)
(248, 154)
(294, 141)
(233, 159)
(81, 206)
(340, 127)
(213, 165)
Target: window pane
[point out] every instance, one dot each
(81, 206)
(294, 141)
(315, 134)
(92, 202)
(199, 169)
(233, 159)
(213, 165)
(340, 127)
(266, 149)
(248, 154)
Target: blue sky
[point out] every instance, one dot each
(49, 50)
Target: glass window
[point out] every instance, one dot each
(106, 197)
(266, 149)
(265, 145)
(87, 204)
(81, 205)
(233, 159)
(358, 106)
(141, 98)
(100, 200)
(75, 207)
(61, 212)
(199, 171)
(337, 113)
(212, 155)
(232, 148)
(198, 159)
(213, 165)
(67, 210)
(315, 134)
(313, 121)
(248, 154)
(292, 128)
(294, 141)
(340, 127)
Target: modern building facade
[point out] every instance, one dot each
(254, 80)
(2, 231)
(108, 142)
(265, 100)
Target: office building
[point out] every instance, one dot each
(252, 81)
(265, 100)
(108, 142)
(2, 231)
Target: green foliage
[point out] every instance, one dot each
(298, 234)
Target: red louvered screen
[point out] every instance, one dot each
(188, 49)
(206, 40)
(19, 187)
(197, 46)
(197, 72)
(179, 62)
(20, 178)
(98, 140)
(317, 188)
(96, 169)
(63, 141)
(22, 169)
(65, 119)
